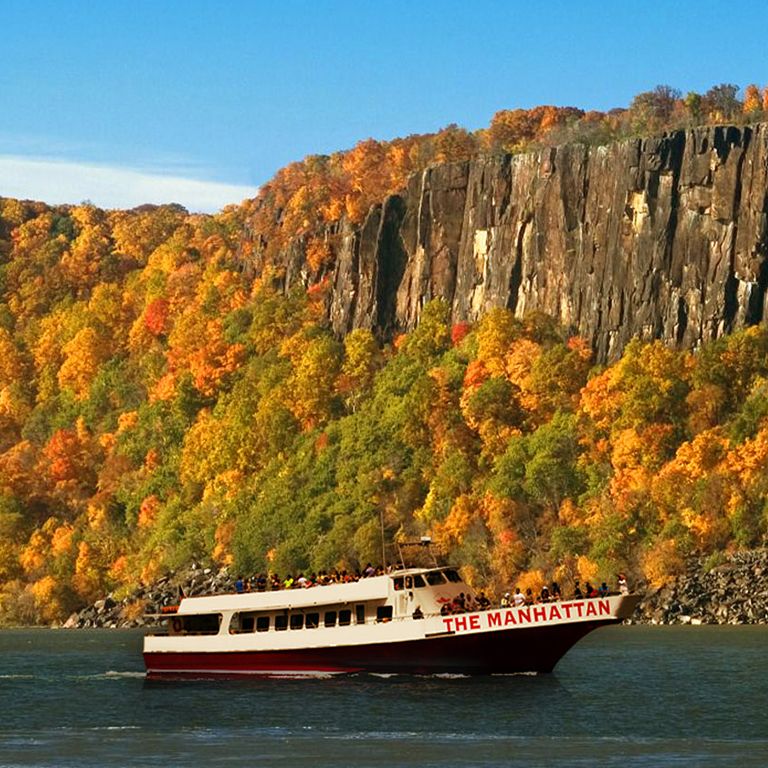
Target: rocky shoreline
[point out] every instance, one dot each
(731, 590)
(129, 613)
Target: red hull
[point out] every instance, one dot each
(535, 649)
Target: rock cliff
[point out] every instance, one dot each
(660, 237)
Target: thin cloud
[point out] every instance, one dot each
(61, 181)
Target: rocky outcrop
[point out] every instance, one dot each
(130, 611)
(734, 591)
(655, 238)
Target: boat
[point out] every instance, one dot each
(397, 622)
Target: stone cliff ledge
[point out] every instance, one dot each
(660, 237)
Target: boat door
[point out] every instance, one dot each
(403, 586)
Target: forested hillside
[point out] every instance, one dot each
(159, 404)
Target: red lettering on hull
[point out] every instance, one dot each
(529, 615)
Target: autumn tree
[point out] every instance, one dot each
(752, 101)
(651, 110)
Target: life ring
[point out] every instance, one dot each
(176, 624)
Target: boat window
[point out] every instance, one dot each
(398, 583)
(297, 620)
(313, 620)
(409, 582)
(330, 618)
(360, 614)
(281, 622)
(384, 613)
(452, 575)
(434, 578)
(201, 624)
(345, 617)
(418, 581)
(241, 622)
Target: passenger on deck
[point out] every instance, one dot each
(529, 596)
(483, 603)
(417, 613)
(505, 601)
(518, 598)
(369, 571)
(623, 586)
(603, 590)
(589, 590)
(577, 593)
(445, 609)
(239, 585)
(555, 591)
(545, 597)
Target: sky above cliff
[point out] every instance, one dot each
(199, 102)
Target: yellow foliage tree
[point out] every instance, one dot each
(752, 101)
(88, 577)
(662, 563)
(495, 334)
(82, 357)
(47, 594)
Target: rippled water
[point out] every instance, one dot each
(625, 696)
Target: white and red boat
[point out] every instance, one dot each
(387, 623)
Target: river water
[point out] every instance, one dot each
(624, 696)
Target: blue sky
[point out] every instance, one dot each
(199, 101)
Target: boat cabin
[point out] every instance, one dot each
(403, 595)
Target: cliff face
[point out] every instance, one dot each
(657, 238)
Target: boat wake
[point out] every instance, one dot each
(125, 674)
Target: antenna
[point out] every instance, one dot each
(383, 542)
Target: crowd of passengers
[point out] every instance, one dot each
(460, 604)
(266, 582)
(467, 604)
